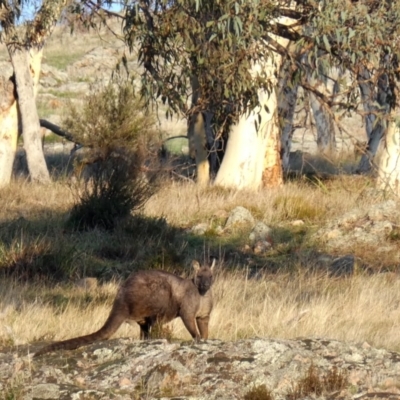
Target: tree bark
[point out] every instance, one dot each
(326, 142)
(26, 63)
(325, 126)
(375, 127)
(199, 134)
(389, 165)
(287, 99)
(247, 163)
(8, 129)
(198, 148)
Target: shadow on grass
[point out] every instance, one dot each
(44, 250)
(58, 162)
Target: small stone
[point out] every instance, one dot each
(123, 382)
(333, 234)
(46, 391)
(343, 266)
(298, 222)
(261, 247)
(199, 229)
(80, 380)
(239, 216)
(261, 232)
(219, 230)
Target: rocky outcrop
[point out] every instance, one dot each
(374, 225)
(127, 369)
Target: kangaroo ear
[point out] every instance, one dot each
(213, 264)
(195, 265)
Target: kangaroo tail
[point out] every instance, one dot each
(112, 324)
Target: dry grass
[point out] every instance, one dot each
(361, 308)
(184, 203)
(290, 303)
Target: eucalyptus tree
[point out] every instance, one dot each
(366, 38)
(217, 63)
(24, 37)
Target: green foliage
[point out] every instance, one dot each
(204, 49)
(116, 136)
(259, 392)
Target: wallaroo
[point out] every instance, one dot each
(150, 297)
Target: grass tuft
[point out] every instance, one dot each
(314, 383)
(259, 392)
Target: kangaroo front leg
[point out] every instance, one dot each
(190, 324)
(202, 324)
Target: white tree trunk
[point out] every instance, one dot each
(253, 154)
(27, 63)
(247, 163)
(389, 165)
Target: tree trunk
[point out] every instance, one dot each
(325, 126)
(273, 174)
(8, 129)
(199, 134)
(198, 148)
(389, 165)
(375, 127)
(287, 98)
(26, 62)
(246, 155)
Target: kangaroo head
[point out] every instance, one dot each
(203, 277)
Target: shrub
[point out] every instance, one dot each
(116, 137)
(113, 193)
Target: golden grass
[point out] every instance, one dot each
(288, 304)
(360, 308)
(184, 203)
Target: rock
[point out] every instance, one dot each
(45, 391)
(239, 216)
(383, 210)
(333, 234)
(370, 226)
(345, 265)
(261, 247)
(260, 232)
(199, 229)
(205, 370)
(219, 230)
(297, 222)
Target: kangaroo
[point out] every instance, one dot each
(150, 297)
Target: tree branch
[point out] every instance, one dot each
(57, 130)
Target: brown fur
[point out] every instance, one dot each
(150, 297)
